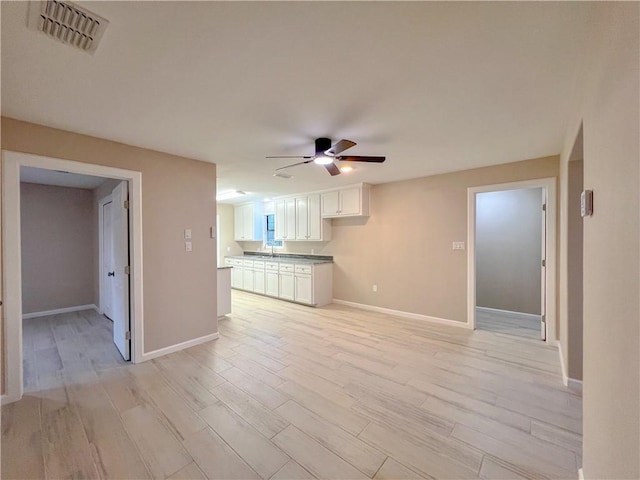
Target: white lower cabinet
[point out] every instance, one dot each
(286, 289)
(247, 275)
(258, 277)
(309, 284)
(272, 276)
(236, 272)
(303, 288)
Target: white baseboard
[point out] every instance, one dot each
(515, 315)
(570, 383)
(178, 346)
(580, 474)
(60, 310)
(6, 399)
(400, 313)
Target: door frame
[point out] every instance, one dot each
(101, 203)
(12, 264)
(548, 186)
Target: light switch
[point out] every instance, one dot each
(457, 246)
(187, 246)
(212, 232)
(187, 233)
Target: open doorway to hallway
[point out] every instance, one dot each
(509, 261)
(543, 189)
(66, 284)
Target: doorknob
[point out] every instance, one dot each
(111, 274)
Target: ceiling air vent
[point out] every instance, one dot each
(67, 23)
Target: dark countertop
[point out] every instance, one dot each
(284, 258)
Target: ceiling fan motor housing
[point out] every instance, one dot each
(322, 145)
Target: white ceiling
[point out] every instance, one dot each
(60, 179)
(436, 87)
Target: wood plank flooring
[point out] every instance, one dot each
(507, 323)
(291, 392)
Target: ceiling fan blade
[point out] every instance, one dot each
(340, 147)
(291, 156)
(358, 158)
(294, 164)
(332, 169)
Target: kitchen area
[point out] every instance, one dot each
(269, 247)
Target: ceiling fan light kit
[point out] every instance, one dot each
(326, 154)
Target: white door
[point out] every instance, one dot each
(108, 269)
(120, 290)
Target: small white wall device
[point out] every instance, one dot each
(586, 203)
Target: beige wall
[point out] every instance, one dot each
(607, 103)
(508, 250)
(58, 248)
(178, 193)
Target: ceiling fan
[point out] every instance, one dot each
(326, 154)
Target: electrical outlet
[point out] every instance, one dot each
(187, 234)
(374, 288)
(188, 247)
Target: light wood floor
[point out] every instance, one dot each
(291, 392)
(507, 323)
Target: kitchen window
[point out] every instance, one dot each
(270, 235)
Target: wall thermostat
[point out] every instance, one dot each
(586, 203)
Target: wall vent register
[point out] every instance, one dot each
(67, 23)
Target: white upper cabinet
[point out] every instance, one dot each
(309, 223)
(248, 222)
(346, 202)
(285, 219)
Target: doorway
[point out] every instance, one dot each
(511, 260)
(12, 253)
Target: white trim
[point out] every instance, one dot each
(179, 346)
(101, 203)
(11, 253)
(400, 313)
(570, 383)
(574, 385)
(549, 188)
(57, 311)
(518, 315)
(580, 474)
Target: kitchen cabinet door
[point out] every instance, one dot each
(236, 277)
(331, 204)
(302, 218)
(238, 222)
(314, 219)
(248, 222)
(258, 281)
(303, 289)
(286, 290)
(285, 218)
(272, 287)
(247, 279)
(350, 201)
